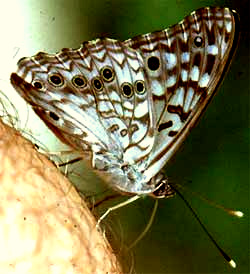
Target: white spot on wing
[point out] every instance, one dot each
(194, 75)
(212, 50)
(128, 105)
(178, 98)
(105, 106)
(184, 75)
(204, 80)
(228, 26)
(157, 88)
(195, 100)
(188, 101)
(185, 57)
(171, 60)
(171, 81)
(141, 109)
(113, 95)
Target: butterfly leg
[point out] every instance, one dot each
(146, 229)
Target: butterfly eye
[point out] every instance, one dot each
(53, 116)
(198, 41)
(107, 74)
(79, 81)
(139, 87)
(153, 63)
(97, 84)
(56, 80)
(127, 90)
(37, 85)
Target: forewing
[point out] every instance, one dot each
(91, 97)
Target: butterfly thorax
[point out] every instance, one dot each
(128, 178)
(123, 176)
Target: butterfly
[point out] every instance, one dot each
(128, 105)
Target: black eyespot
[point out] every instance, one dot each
(139, 87)
(53, 116)
(37, 85)
(97, 84)
(153, 63)
(79, 81)
(127, 90)
(56, 80)
(198, 41)
(107, 74)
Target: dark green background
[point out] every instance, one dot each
(213, 161)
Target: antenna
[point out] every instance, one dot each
(223, 253)
(235, 213)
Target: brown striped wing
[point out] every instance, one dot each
(185, 64)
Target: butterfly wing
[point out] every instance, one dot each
(94, 98)
(185, 64)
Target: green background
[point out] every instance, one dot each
(213, 161)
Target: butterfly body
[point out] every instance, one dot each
(129, 105)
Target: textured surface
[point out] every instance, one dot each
(45, 226)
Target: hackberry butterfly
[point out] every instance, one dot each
(129, 105)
